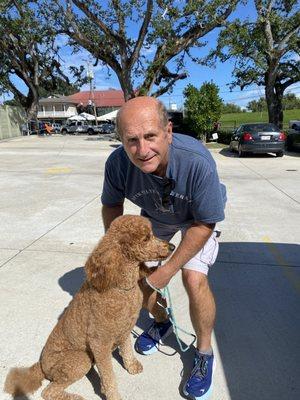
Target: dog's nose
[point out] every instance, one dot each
(171, 247)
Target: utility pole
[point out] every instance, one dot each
(90, 76)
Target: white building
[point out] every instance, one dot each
(56, 109)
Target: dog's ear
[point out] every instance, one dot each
(103, 267)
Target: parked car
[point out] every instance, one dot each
(258, 138)
(56, 127)
(293, 139)
(107, 128)
(78, 127)
(294, 124)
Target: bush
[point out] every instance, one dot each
(224, 137)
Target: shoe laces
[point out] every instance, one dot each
(200, 368)
(154, 332)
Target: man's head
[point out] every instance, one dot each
(146, 133)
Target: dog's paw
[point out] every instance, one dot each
(135, 367)
(113, 396)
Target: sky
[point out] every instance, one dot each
(221, 75)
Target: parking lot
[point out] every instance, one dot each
(50, 217)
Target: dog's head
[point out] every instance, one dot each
(128, 242)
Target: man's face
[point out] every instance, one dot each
(146, 141)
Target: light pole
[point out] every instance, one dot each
(90, 76)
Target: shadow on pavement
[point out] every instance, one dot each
(233, 154)
(257, 287)
(72, 280)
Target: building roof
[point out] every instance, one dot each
(102, 98)
(57, 100)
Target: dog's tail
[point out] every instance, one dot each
(21, 381)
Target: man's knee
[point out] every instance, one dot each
(194, 281)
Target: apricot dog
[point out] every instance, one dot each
(100, 317)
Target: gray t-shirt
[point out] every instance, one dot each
(196, 194)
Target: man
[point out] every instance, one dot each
(173, 179)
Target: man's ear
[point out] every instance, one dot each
(170, 131)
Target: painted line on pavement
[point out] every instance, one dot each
(58, 170)
(289, 272)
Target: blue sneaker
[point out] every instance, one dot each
(147, 343)
(199, 384)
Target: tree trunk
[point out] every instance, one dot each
(32, 106)
(274, 103)
(126, 84)
(273, 98)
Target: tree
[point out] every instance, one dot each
(257, 105)
(140, 40)
(28, 52)
(228, 108)
(266, 51)
(289, 102)
(62, 87)
(202, 108)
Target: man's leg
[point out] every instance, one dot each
(147, 343)
(202, 313)
(149, 340)
(202, 307)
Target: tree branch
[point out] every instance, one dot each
(80, 38)
(167, 51)
(283, 42)
(265, 19)
(142, 34)
(104, 28)
(164, 89)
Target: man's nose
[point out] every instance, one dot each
(143, 148)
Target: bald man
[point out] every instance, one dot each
(173, 179)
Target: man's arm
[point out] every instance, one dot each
(109, 213)
(193, 241)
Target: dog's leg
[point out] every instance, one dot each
(103, 359)
(55, 391)
(132, 365)
(69, 368)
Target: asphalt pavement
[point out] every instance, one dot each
(50, 221)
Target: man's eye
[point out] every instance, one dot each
(132, 140)
(150, 136)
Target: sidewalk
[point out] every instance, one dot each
(50, 221)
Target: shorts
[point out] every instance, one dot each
(203, 260)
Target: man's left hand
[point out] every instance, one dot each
(161, 277)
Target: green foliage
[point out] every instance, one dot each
(231, 121)
(257, 105)
(230, 108)
(29, 52)
(289, 102)
(202, 107)
(139, 40)
(224, 137)
(265, 52)
(62, 87)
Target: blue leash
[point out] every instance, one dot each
(165, 294)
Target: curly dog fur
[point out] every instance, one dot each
(100, 316)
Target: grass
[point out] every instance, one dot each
(214, 145)
(235, 119)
